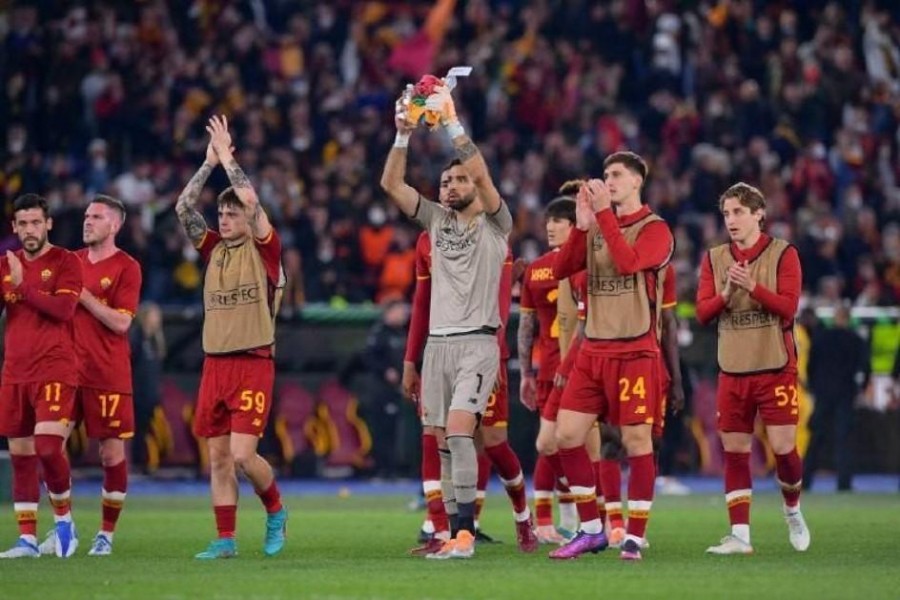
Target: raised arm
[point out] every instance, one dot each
(466, 150)
(220, 139)
(186, 208)
(393, 179)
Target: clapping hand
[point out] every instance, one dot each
(15, 268)
(584, 214)
(739, 274)
(219, 139)
(598, 194)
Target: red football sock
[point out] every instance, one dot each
(115, 485)
(510, 471)
(544, 480)
(580, 475)
(601, 497)
(789, 468)
(226, 520)
(26, 492)
(57, 474)
(431, 484)
(271, 498)
(611, 478)
(738, 487)
(641, 483)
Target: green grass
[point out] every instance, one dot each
(356, 548)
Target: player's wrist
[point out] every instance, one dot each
(454, 128)
(401, 140)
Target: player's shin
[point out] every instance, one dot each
(641, 483)
(57, 473)
(577, 466)
(26, 494)
(431, 486)
(789, 469)
(611, 482)
(738, 493)
(507, 464)
(544, 481)
(115, 485)
(465, 478)
(447, 490)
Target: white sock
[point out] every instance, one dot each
(107, 534)
(592, 527)
(522, 516)
(741, 532)
(568, 516)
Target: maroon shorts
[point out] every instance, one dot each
(235, 395)
(619, 390)
(105, 414)
(496, 413)
(544, 389)
(23, 405)
(740, 397)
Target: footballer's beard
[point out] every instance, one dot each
(33, 245)
(93, 238)
(461, 203)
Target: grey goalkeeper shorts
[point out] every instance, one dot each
(458, 373)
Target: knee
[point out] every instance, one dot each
(637, 440)
(47, 446)
(567, 438)
(738, 443)
(220, 459)
(546, 444)
(781, 447)
(111, 453)
(243, 459)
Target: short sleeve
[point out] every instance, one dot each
(502, 219)
(427, 212)
(128, 292)
(207, 243)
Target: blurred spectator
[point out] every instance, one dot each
(148, 350)
(801, 102)
(384, 353)
(838, 370)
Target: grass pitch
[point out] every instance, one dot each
(356, 548)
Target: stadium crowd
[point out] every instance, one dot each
(113, 97)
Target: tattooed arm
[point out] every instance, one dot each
(220, 139)
(467, 152)
(191, 219)
(474, 163)
(527, 387)
(259, 220)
